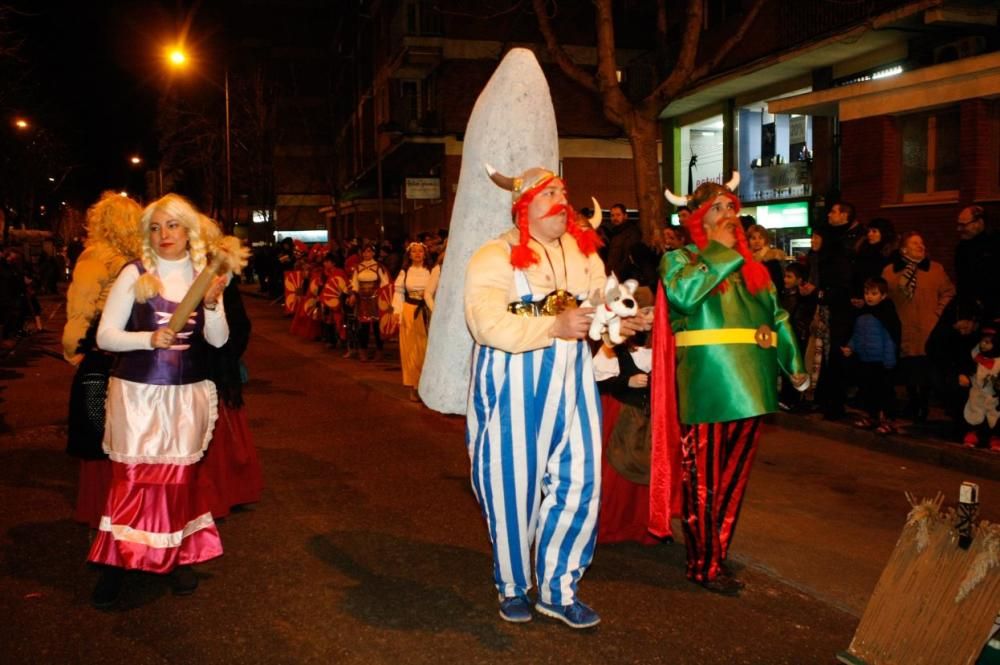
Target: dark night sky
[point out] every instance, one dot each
(98, 71)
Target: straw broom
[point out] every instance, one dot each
(935, 602)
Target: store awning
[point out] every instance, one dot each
(923, 88)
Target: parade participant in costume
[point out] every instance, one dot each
(533, 420)
(331, 298)
(230, 472)
(293, 263)
(112, 241)
(730, 337)
(622, 374)
(412, 304)
(368, 277)
(161, 409)
(307, 320)
(982, 409)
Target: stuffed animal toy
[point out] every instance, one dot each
(618, 302)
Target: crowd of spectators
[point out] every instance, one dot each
(22, 280)
(862, 282)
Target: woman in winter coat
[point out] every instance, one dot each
(921, 290)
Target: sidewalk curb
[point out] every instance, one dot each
(976, 462)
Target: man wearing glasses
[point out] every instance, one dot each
(976, 258)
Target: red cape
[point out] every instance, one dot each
(665, 453)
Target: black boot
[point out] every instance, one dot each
(183, 580)
(108, 587)
(724, 586)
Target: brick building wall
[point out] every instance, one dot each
(609, 180)
(870, 173)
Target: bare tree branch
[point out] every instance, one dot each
(570, 68)
(681, 75)
(720, 55)
(616, 105)
(662, 40)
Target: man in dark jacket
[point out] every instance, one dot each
(840, 237)
(976, 258)
(628, 257)
(621, 237)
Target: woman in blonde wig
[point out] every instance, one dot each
(112, 241)
(413, 303)
(161, 408)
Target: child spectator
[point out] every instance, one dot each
(981, 410)
(798, 298)
(875, 341)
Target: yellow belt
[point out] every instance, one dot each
(763, 337)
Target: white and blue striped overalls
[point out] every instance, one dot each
(534, 438)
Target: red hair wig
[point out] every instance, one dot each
(522, 256)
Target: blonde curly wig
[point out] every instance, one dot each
(176, 207)
(211, 232)
(114, 221)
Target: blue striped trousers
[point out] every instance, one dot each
(534, 439)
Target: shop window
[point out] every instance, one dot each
(701, 153)
(929, 147)
(773, 154)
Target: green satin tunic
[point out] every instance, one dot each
(723, 382)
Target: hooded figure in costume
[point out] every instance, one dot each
(533, 422)
(727, 337)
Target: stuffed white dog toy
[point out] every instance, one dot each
(619, 302)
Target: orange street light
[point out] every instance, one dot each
(135, 159)
(21, 123)
(177, 57)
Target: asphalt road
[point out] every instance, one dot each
(368, 547)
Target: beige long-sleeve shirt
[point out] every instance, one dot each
(490, 287)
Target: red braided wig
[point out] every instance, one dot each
(754, 273)
(522, 256)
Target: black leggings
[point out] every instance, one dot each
(363, 334)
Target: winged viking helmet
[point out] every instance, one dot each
(754, 273)
(707, 191)
(523, 189)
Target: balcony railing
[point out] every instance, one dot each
(778, 181)
(800, 20)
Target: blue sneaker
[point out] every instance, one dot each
(576, 615)
(516, 609)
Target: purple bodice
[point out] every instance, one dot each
(184, 362)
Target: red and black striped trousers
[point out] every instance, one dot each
(716, 461)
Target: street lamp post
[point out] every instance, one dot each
(178, 59)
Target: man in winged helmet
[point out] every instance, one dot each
(533, 421)
(727, 337)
